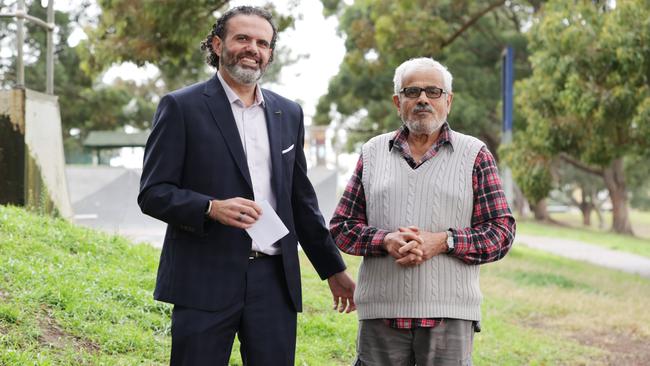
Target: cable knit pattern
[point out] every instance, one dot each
(435, 196)
(459, 209)
(368, 170)
(440, 162)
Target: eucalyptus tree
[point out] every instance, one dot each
(467, 36)
(587, 101)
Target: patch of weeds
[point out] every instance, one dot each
(9, 314)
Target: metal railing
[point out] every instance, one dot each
(21, 15)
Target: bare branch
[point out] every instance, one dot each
(580, 165)
(512, 15)
(471, 21)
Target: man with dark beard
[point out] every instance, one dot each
(218, 152)
(424, 208)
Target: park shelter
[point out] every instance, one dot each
(99, 141)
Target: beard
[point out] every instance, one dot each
(242, 75)
(423, 126)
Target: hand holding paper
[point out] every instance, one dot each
(268, 228)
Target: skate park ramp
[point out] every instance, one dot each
(105, 198)
(324, 182)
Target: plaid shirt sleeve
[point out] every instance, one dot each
(349, 225)
(492, 228)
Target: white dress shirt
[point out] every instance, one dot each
(251, 124)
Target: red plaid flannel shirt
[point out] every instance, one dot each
(488, 239)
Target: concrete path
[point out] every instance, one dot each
(573, 249)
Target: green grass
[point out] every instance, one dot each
(565, 305)
(74, 296)
(606, 239)
(71, 296)
(538, 309)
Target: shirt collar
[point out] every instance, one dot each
(234, 98)
(402, 133)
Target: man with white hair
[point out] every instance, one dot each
(424, 208)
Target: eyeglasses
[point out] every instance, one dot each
(430, 91)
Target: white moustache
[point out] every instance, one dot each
(423, 108)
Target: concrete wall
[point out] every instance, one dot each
(31, 138)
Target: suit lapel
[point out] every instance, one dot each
(274, 116)
(222, 114)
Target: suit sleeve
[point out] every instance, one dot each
(161, 195)
(312, 232)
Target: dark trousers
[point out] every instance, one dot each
(263, 319)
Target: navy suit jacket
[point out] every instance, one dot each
(194, 154)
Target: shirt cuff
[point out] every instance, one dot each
(462, 241)
(377, 243)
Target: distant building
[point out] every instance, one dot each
(110, 142)
(323, 178)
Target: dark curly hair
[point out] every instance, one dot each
(219, 30)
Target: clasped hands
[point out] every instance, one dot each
(410, 246)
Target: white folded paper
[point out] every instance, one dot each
(268, 229)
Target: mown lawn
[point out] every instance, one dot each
(538, 309)
(71, 296)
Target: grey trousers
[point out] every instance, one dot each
(449, 343)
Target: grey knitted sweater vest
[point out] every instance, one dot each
(436, 196)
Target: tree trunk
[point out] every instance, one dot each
(597, 204)
(585, 207)
(539, 209)
(615, 182)
(519, 202)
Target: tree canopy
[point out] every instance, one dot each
(588, 98)
(582, 96)
(166, 34)
(85, 104)
(467, 36)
